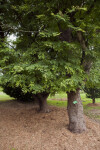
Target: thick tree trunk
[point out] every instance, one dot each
(93, 101)
(75, 112)
(42, 99)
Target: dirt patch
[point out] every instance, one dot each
(93, 105)
(94, 114)
(95, 111)
(22, 128)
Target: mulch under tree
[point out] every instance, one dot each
(23, 128)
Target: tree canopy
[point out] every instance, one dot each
(48, 42)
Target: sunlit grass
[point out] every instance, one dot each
(60, 95)
(1, 89)
(57, 103)
(58, 100)
(4, 97)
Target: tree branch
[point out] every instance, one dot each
(85, 63)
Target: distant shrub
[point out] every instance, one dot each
(17, 93)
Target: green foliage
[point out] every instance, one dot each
(92, 87)
(43, 57)
(1, 89)
(92, 92)
(18, 93)
(93, 81)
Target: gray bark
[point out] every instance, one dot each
(42, 99)
(75, 112)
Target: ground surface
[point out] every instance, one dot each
(22, 128)
(94, 112)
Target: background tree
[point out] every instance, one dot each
(92, 93)
(92, 87)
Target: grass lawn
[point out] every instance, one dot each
(1, 89)
(58, 96)
(57, 100)
(64, 103)
(4, 97)
(61, 103)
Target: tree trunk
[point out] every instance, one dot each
(93, 100)
(42, 99)
(75, 112)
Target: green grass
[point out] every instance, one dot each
(58, 96)
(62, 95)
(1, 89)
(60, 103)
(64, 104)
(57, 103)
(4, 97)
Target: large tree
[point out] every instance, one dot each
(57, 44)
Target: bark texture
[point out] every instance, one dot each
(93, 101)
(75, 112)
(42, 100)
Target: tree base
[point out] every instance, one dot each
(76, 129)
(46, 110)
(42, 99)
